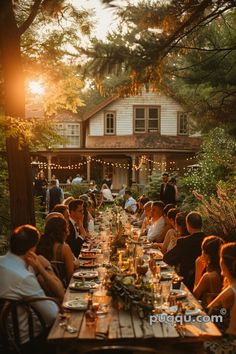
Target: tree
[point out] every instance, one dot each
(162, 41)
(205, 74)
(17, 17)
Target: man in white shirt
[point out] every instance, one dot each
(77, 180)
(19, 281)
(130, 202)
(155, 231)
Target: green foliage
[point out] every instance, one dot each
(78, 189)
(36, 133)
(183, 48)
(216, 161)
(205, 73)
(152, 189)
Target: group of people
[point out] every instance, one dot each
(207, 263)
(39, 265)
(51, 195)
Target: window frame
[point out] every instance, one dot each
(147, 119)
(105, 122)
(68, 136)
(179, 117)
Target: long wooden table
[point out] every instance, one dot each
(123, 327)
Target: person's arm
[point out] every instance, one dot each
(166, 240)
(68, 259)
(173, 256)
(225, 299)
(31, 288)
(45, 275)
(200, 266)
(202, 286)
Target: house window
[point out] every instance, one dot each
(183, 123)
(73, 135)
(146, 119)
(110, 123)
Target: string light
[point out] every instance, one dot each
(157, 166)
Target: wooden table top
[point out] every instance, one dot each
(120, 325)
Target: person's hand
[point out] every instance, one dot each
(156, 245)
(34, 261)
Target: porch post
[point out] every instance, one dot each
(88, 168)
(133, 157)
(49, 160)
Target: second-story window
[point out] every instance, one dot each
(146, 119)
(110, 123)
(183, 128)
(73, 135)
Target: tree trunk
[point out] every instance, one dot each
(20, 174)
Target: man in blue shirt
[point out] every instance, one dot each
(130, 202)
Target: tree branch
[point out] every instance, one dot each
(33, 13)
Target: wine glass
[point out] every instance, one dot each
(101, 277)
(155, 269)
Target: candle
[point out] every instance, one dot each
(120, 254)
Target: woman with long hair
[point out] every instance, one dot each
(53, 247)
(209, 284)
(226, 300)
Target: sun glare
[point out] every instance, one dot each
(36, 87)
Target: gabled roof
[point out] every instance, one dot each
(99, 107)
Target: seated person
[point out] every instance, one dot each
(121, 192)
(170, 237)
(18, 269)
(147, 219)
(209, 284)
(77, 234)
(53, 247)
(130, 202)
(180, 225)
(139, 216)
(226, 300)
(63, 209)
(106, 193)
(156, 230)
(187, 249)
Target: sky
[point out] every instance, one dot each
(104, 16)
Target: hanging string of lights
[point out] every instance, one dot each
(143, 160)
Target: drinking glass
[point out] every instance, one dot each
(101, 277)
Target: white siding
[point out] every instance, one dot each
(96, 124)
(124, 114)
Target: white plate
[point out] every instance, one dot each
(166, 276)
(79, 285)
(162, 264)
(86, 274)
(78, 305)
(193, 312)
(178, 293)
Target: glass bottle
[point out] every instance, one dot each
(90, 314)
